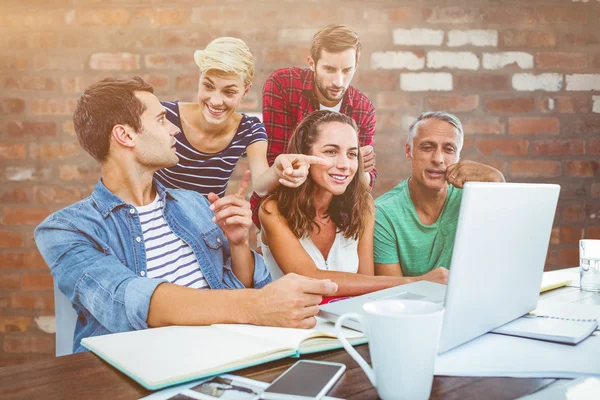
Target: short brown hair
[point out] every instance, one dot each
(103, 105)
(334, 39)
(296, 205)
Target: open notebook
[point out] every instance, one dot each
(160, 357)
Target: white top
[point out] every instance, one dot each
(167, 256)
(335, 108)
(343, 256)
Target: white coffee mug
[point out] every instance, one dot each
(403, 341)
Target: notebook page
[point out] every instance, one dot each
(161, 356)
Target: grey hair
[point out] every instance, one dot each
(438, 116)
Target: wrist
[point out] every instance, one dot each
(250, 307)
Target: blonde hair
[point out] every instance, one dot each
(227, 54)
(334, 39)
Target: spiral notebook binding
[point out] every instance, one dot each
(567, 319)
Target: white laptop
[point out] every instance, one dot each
(497, 263)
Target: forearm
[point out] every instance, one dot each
(242, 264)
(267, 182)
(179, 305)
(350, 284)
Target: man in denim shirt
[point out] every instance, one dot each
(119, 274)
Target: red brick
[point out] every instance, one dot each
(33, 40)
(35, 83)
(593, 232)
(78, 172)
(115, 61)
(566, 104)
(170, 61)
(12, 151)
(482, 83)
(159, 82)
(574, 190)
(593, 147)
(596, 190)
(22, 260)
(485, 126)
(510, 105)
(453, 103)
(570, 234)
(12, 106)
(187, 82)
(48, 151)
(534, 126)
(25, 216)
(582, 168)
(507, 16)
(16, 62)
(73, 84)
(285, 55)
(57, 194)
(14, 195)
(43, 19)
(165, 16)
(102, 16)
(10, 281)
(9, 239)
(32, 300)
(404, 15)
(175, 38)
(388, 119)
(557, 147)
(573, 213)
(555, 15)
(568, 257)
(596, 62)
(51, 61)
(450, 15)
(560, 60)
(397, 101)
(537, 169)
(22, 128)
(368, 79)
(53, 106)
(555, 236)
(502, 147)
(28, 344)
(68, 128)
(13, 323)
(37, 281)
(514, 38)
(578, 39)
(585, 125)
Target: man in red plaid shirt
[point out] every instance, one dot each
(292, 93)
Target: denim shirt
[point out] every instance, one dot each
(95, 250)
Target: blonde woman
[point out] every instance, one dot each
(214, 135)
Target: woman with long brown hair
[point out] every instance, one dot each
(324, 228)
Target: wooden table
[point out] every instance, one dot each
(85, 376)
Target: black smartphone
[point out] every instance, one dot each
(306, 379)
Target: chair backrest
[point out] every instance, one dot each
(66, 318)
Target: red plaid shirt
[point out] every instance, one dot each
(288, 97)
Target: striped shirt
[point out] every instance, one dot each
(207, 172)
(167, 256)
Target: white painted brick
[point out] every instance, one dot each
(583, 82)
(296, 35)
(449, 59)
(406, 121)
(501, 60)
(397, 60)
(418, 37)
(525, 82)
(426, 81)
(596, 104)
(475, 37)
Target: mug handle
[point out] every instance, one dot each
(353, 353)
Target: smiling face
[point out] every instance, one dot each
(155, 143)
(333, 74)
(337, 143)
(435, 147)
(219, 94)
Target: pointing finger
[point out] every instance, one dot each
(241, 192)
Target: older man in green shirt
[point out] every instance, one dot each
(415, 222)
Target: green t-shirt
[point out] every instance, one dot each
(401, 237)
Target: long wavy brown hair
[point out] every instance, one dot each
(347, 210)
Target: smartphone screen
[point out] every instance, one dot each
(304, 379)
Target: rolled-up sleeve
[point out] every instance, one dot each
(88, 272)
(261, 277)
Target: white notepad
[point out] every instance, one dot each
(553, 329)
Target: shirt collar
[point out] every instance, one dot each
(107, 201)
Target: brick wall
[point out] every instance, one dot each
(524, 76)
